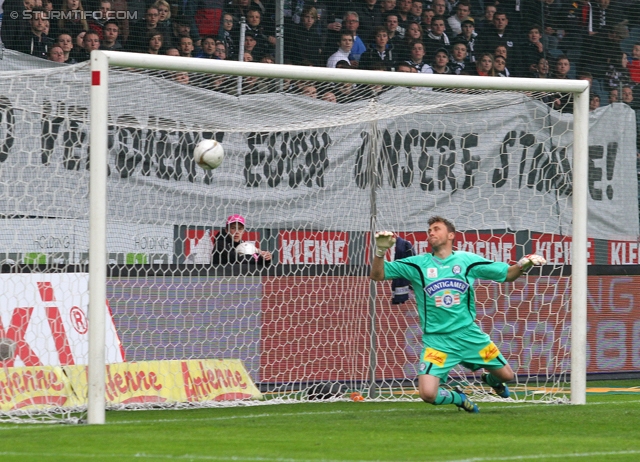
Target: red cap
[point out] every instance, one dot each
(235, 219)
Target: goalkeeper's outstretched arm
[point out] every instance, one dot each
(384, 241)
(526, 262)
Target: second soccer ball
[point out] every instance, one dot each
(208, 154)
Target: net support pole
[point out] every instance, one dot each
(243, 31)
(579, 248)
(373, 335)
(97, 236)
(279, 31)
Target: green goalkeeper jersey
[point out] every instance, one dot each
(445, 298)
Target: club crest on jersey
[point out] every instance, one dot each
(432, 273)
(446, 284)
(447, 299)
(456, 269)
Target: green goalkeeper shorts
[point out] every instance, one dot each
(468, 346)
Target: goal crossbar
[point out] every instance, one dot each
(101, 61)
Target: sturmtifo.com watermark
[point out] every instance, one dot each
(77, 15)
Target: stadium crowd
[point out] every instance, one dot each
(597, 40)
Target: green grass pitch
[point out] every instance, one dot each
(607, 428)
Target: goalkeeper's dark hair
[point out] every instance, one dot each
(437, 219)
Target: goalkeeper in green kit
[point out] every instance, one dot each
(443, 285)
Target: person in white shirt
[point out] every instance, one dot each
(346, 43)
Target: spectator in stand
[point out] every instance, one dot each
(186, 47)
(486, 22)
(562, 102)
(416, 11)
(329, 97)
(417, 54)
(594, 102)
(463, 10)
(406, 67)
(164, 12)
(66, 43)
(391, 23)
(208, 16)
(437, 38)
(427, 17)
(35, 42)
(208, 48)
(595, 87)
(266, 40)
(500, 66)
(56, 54)
(414, 33)
(602, 50)
(310, 91)
(403, 9)
(542, 69)
(14, 23)
(187, 13)
(469, 37)
(252, 46)
(180, 28)
(634, 64)
(439, 8)
(614, 96)
(172, 51)
(110, 34)
(139, 34)
(76, 23)
(344, 50)
(97, 22)
(120, 8)
(165, 24)
(501, 50)
(532, 51)
(563, 66)
(387, 6)
(229, 35)
(381, 52)
(600, 15)
(628, 97)
(484, 66)
(90, 42)
(155, 42)
(305, 41)
(221, 50)
(370, 18)
(617, 74)
(239, 8)
(500, 35)
(440, 63)
(458, 60)
(351, 23)
(229, 240)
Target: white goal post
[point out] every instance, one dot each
(101, 61)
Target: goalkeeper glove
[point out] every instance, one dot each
(528, 261)
(384, 241)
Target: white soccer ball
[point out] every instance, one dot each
(208, 154)
(246, 248)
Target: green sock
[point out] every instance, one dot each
(447, 397)
(492, 381)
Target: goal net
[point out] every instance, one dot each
(315, 161)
